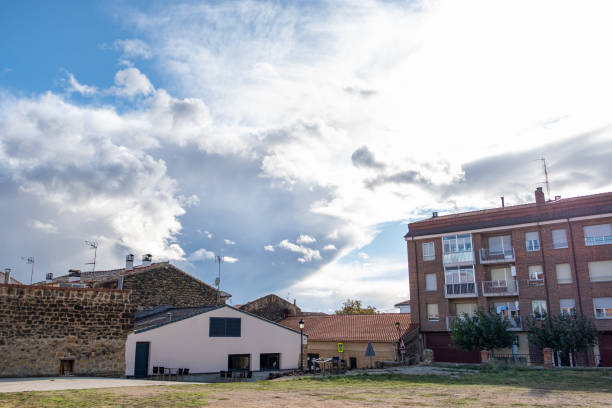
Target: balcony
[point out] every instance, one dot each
(466, 257)
(535, 282)
(488, 256)
(457, 290)
(500, 288)
(600, 240)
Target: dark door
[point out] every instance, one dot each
(141, 363)
(605, 350)
(445, 351)
(353, 362)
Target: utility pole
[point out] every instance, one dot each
(30, 261)
(92, 245)
(545, 167)
(219, 260)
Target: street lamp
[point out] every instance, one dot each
(301, 323)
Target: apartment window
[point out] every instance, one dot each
(431, 281)
(603, 307)
(536, 275)
(224, 327)
(532, 241)
(538, 308)
(269, 361)
(598, 234)
(564, 273)
(429, 251)
(457, 249)
(600, 271)
(459, 280)
(559, 238)
(568, 306)
(500, 245)
(468, 309)
(432, 312)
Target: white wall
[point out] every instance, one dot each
(186, 344)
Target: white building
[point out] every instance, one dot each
(208, 340)
(404, 306)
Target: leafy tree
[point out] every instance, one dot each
(354, 307)
(566, 333)
(483, 331)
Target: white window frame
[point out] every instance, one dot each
(567, 309)
(542, 304)
(538, 278)
(429, 254)
(433, 318)
(559, 245)
(604, 310)
(602, 239)
(452, 244)
(435, 282)
(532, 245)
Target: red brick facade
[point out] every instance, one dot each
(572, 215)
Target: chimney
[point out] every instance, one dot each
(129, 262)
(146, 259)
(503, 205)
(434, 214)
(294, 302)
(49, 277)
(7, 275)
(539, 196)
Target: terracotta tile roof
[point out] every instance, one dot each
(375, 328)
(515, 214)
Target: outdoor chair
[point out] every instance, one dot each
(222, 374)
(185, 371)
(179, 373)
(162, 372)
(250, 374)
(156, 371)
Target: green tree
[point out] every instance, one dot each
(483, 331)
(354, 307)
(566, 333)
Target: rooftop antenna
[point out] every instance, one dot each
(545, 168)
(30, 261)
(219, 260)
(92, 245)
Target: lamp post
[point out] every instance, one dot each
(399, 338)
(301, 323)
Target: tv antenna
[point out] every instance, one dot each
(219, 260)
(545, 168)
(30, 261)
(92, 245)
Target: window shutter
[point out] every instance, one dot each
(559, 238)
(602, 303)
(564, 273)
(600, 271)
(568, 303)
(601, 230)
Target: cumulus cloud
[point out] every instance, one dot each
(308, 254)
(133, 48)
(130, 82)
(46, 227)
(269, 248)
(201, 255)
(229, 242)
(330, 247)
(230, 259)
(76, 86)
(363, 157)
(305, 239)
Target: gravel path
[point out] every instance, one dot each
(73, 383)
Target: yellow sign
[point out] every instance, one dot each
(340, 348)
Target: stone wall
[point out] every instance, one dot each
(166, 285)
(271, 307)
(39, 326)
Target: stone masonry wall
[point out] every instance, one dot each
(39, 326)
(167, 285)
(271, 307)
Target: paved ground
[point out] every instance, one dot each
(73, 383)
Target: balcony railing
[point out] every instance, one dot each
(514, 322)
(460, 290)
(488, 256)
(466, 257)
(602, 240)
(535, 282)
(500, 288)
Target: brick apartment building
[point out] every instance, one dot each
(550, 256)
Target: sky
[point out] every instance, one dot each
(296, 139)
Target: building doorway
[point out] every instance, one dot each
(66, 367)
(353, 363)
(141, 362)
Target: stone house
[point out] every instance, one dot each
(152, 284)
(48, 330)
(355, 332)
(271, 307)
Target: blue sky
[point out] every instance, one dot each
(296, 139)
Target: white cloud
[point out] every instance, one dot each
(230, 259)
(269, 248)
(363, 255)
(130, 82)
(305, 239)
(190, 201)
(229, 242)
(308, 254)
(46, 227)
(330, 247)
(201, 255)
(75, 86)
(133, 48)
